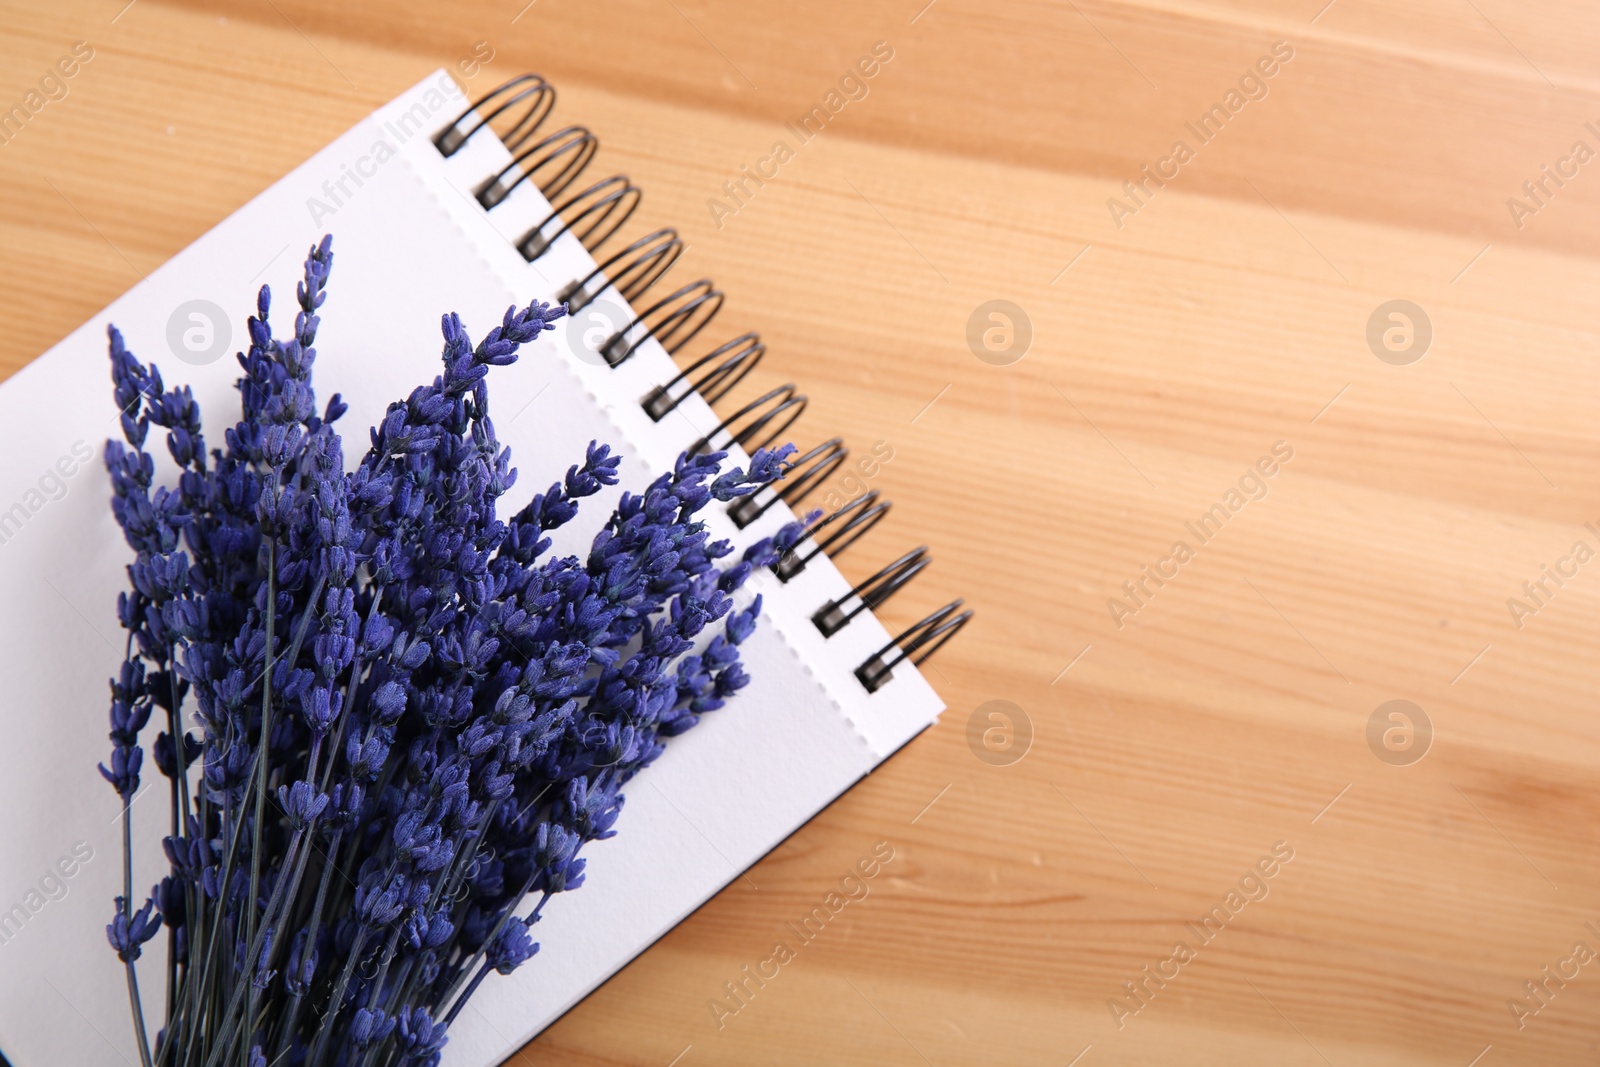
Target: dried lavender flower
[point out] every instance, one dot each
(406, 718)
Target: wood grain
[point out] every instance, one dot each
(1227, 314)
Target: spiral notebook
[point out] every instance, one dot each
(436, 205)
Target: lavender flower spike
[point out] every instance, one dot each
(409, 718)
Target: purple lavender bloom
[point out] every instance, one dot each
(128, 933)
(447, 714)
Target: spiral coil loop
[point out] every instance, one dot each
(739, 357)
(868, 594)
(673, 321)
(855, 518)
(932, 631)
(568, 150)
(804, 475)
(613, 196)
(632, 270)
(775, 402)
(532, 87)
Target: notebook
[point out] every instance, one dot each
(436, 204)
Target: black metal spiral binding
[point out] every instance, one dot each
(608, 197)
(594, 215)
(569, 150)
(855, 517)
(782, 399)
(805, 474)
(870, 593)
(937, 628)
(673, 321)
(642, 263)
(543, 98)
(739, 357)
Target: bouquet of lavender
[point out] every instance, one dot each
(387, 717)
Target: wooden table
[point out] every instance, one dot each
(1175, 340)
